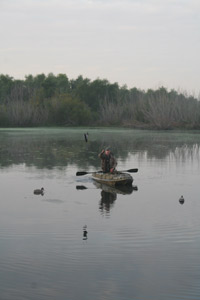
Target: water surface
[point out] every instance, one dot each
(79, 241)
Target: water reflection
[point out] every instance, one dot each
(109, 195)
(85, 233)
(54, 201)
(181, 200)
(150, 242)
(49, 148)
(107, 201)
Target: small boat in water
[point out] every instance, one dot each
(113, 179)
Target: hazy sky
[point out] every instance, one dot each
(141, 43)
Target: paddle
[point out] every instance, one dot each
(85, 173)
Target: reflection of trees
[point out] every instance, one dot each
(62, 147)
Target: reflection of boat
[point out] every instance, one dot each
(115, 179)
(121, 189)
(109, 194)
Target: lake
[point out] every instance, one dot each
(81, 242)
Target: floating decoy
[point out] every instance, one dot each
(181, 200)
(39, 191)
(86, 136)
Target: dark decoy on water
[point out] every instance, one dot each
(39, 191)
(181, 200)
(86, 136)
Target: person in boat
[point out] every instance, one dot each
(108, 161)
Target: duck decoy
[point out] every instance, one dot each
(86, 136)
(181, 200)
(39, 191)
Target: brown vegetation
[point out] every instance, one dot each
(56, 100)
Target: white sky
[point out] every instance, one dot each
(141, 43)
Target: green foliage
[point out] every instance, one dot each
(56, 100)
(3, 115)
(6, 84)
(65, 110)
(49, 86)
(62, 84)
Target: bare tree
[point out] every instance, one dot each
(159, 111)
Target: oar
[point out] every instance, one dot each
(85, 173)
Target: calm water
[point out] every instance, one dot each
(139, 245)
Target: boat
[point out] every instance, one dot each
(113, 179)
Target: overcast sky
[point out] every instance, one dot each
(141, 43)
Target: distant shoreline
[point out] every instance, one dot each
(58, 101)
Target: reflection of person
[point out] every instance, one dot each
(107, 201)
(108, 161)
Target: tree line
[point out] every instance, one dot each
(49, 100)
